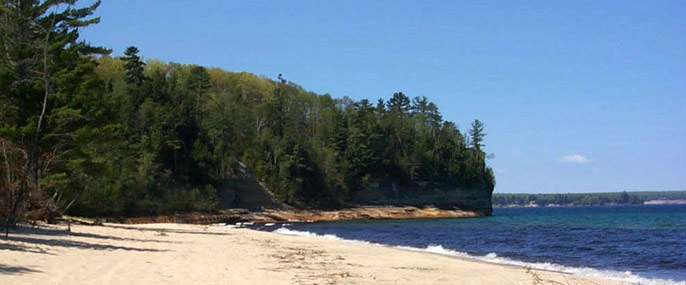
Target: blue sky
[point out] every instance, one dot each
(576, 96)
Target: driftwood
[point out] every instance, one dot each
(80, 221)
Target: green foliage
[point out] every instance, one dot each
(476, 134)
(125, 136)
(134, 67)
(568, 199)
(50, 106)
(660, 195)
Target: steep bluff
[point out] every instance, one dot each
(246, 192)
(422, 194)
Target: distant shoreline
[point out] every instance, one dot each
(665, 202)
(504, 200)
(651, 202)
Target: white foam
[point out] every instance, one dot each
(492, 257)
(626, 276)
(289, 232)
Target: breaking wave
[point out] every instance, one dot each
(492, 257)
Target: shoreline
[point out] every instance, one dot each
(182, 254)
(605, 275)
(232, 216)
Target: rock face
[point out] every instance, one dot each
(231, 216)
(369, 212)
(425, 193)
(389, 200)
(246, 192)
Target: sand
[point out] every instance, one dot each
(194, 254)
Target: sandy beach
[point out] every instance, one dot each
(195, 254)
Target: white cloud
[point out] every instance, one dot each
(576, 158)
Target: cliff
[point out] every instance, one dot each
(422, 194)
(232, 216)
(246, 192)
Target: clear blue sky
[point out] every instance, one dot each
(576, 96)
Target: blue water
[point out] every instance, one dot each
(649, 241)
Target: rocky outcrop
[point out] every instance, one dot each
(370, 212)
(245, 199)
(245, 191)
(421, 194)
(232, 216)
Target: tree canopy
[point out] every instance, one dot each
(101, 135)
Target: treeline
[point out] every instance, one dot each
(578, 199)
(660, 195)
(90, 134)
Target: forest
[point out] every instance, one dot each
(86, 133)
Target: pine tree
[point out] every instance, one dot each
(134, 67)
(39, 42)
(476, 135)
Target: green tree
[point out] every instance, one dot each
(476, 135)
(39, 45)
(134, 67)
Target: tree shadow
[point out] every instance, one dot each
(6, 269)
(40, 239)
(167, 230)
(77, 244)
(14, 247)
(60, 232)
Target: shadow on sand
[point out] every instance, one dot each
(40, 231)
(167, 230)
(40, 240)
(6, 269)
(77, 244)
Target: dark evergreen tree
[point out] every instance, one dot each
(39, 61)
(476, 135)
(134, 67)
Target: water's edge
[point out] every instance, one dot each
(493, 258)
